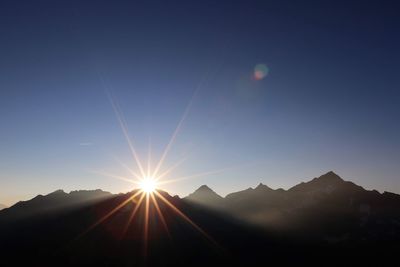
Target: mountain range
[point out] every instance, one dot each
(320, 201)
(326, 221)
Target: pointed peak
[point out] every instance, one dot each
(262, 186)
(330, 176)
(331, 173)
(204, 188)
(327, 181)
(203, 191)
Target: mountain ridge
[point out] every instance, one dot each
(53, 201)
(327, 194)
(329, 177)
(261, 205)
(324, 215)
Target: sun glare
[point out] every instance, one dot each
(149, 179)
(148, 185)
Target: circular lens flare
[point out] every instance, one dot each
(148, 184)
(260, 72)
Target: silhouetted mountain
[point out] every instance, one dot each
(324, 222)
(205, 196)
(53, 202)
(2, 206)
(194, 236)
(317, 202)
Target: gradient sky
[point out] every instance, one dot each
(330, 100)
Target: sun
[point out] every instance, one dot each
(148, 179)
(148, 184)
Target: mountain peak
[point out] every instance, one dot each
(327, 182)
(330, 176)
(262, 186)
(204, 191)
(205, 195)
(204, 188)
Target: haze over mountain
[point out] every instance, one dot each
(55, 201)
(327, 215)
(324, 200)
(2, 206)
(159, 97)
(206, 196)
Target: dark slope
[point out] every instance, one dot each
(53, 202)
(324, 222)
(259, 205)
(326, 208)
(60, 237)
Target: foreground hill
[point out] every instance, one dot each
(324, 222)
(73, 236)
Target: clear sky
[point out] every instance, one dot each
(325, 97)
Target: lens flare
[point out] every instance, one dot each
(260, 72)
(147, 198)
(148, 184)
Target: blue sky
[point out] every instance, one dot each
(330, 100)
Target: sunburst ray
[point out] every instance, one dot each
(146, 226)
(124, 128)
(170, 169)
(161, 216)
(109, 214)
(132, 215)
(186, 218)
(122, 178)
